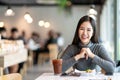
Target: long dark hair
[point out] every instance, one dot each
(85, 18)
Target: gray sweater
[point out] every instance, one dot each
(101, 58)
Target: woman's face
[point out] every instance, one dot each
(85, 32)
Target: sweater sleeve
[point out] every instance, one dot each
(68, 58)
(104, 60)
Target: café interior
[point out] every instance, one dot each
(40, 17)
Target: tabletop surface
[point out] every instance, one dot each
(51, 76)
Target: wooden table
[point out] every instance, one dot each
(51, 76)
(10, 59)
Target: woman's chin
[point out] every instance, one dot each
(85, 42)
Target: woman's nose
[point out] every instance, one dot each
(85, 32)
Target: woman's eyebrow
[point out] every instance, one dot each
(89, 28)
(81, 26)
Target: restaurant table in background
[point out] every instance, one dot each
(12, 59)
(51, 76)
(11, 53)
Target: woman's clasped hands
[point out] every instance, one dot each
(84, 53)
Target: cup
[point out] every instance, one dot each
(57, 66)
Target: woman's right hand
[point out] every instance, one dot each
(82, 54)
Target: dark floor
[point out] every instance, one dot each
(35, 71)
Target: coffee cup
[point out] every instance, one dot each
(57, 66)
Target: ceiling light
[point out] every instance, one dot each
(93, 16)
(47, 24)
(30, 20)
(28, 17)
(1, 24)
(41, 23)
(9, 12)
(92, 10)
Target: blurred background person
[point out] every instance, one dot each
(3, 33)
(52, 39)
(15, 36)
(35, 45)
(24, 38)
(60, 41)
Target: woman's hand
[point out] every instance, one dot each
(89, 53)
(84, 53)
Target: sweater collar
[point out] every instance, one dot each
(85, 46)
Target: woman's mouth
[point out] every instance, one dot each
(84, 37)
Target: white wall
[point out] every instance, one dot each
(59, 19)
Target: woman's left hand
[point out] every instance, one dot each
(89, 53)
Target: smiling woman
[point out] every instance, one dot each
(86, 52)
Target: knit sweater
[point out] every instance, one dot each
(101, 58)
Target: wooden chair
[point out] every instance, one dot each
(53, 48)
(27, 64)
(23, 71)
(42, 57)
(30, 59)
(13, 76)
(53, 52)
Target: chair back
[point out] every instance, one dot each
(53, 51)
(12, 76)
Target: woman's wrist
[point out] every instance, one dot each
(92, 56)
(77, 57)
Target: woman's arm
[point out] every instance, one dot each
(104, 60)
(68, 57)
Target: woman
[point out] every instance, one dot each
(86, 52)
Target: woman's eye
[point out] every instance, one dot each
(89, 30)
(81, 29)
